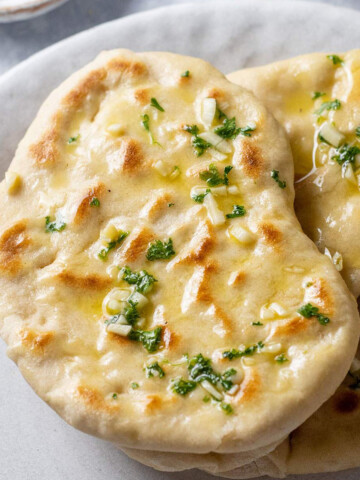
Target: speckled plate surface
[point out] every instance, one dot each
(13, 10)
(35, 443)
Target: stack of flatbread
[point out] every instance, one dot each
(158, 290)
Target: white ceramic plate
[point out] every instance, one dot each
(13, 10)
(35, 443)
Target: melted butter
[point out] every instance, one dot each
(299, 103)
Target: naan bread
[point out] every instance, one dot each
(121, 181)
(328, 206)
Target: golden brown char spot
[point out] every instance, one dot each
(34, 341)
(141, 95)
(237, 279)
(136, 245)
(85, 282)
(346, 401)
(92, 82)
(250, 387)
(272, 236)
(198, 248)
(291, 328)
(156, 206)
(84, 209)
(221, 316)
(198, 285)
(169, 338)
(216, 93)
(119, 339)
(154, 402)
(45, 152)
(128, 67)
(95, 401)
(12, 243)
(320, 292)
(251, 159)
(131, 155)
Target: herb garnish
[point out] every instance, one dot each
(130, 313)
(275, 176)
(235, 353)
(154, 370)
(105, 251)
(143, 280)
(55, 226)
(150, 339)
(183, 387)
(146, 124)
(212, 176)
(73, 139)
(199, 144)
(335, 59)
(357, 131)
(309, 311)
(227, 408)
(238, 211)
(317, 95)
(200, 369)
(200, 197)
(281, 358)
(134, 385)
(171, 204)
(95, 202)
(154, 103)
(331, 105)
(257, 324)
(185, 74)
(160, 250)
(114, 396)
(346, 153)
(230, 131)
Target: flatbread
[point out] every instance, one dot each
(327, 206)
(108, 191)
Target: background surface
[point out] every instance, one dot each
(19, 40)
(35, 444)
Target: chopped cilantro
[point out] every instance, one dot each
(335, 59)
(105, 251)
(257, 324)
(171, 204)
(73, 139)
(114, 396)
(95, 202)
(199, 144)
(193, 129)
(235, 353)
(317, 95)
(212, 176)
(357, 132)
(134, 385)
(154, 103)
(200, 197)
(183, 387)
(55, 226)
(160, 250)
(185, 74)
(331, 105)
(281, 358)
(150, 339)
(200, 369)
(154, 370)
(309, 311)
(220, 114)
(323, 139)
(146, 124)
(143, 280)
(275, 176)
(229, 130)
(129, 312)
(238, 211)
(227, 408)
(346, 153)
(206, 399)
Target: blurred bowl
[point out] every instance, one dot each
(13, 10)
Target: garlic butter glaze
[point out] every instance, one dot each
(157, 289)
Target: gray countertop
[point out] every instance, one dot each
(19, 40)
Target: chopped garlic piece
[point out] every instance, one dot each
(272, 348)
(119, 329)
(114, 301)
(139, 299)
(294, 269)
(234, 389)
(241, 234)
(222, 191)
(216, 216)
(217, 156)
(216, 141)
(116, 129)
(336, 259)
(208, 110)
(162, 168)
(13, 181)
(267, 312)
(330, 134)
(348, 173)
(233, 190)
(113, 272)
(211, 389)
(114, 306)
(109, 234)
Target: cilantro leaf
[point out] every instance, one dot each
(238, 211)
(185, 74)
(154, 103)
(235, 353)
(335, 59)
(134, 385)
(212, 176)
(317, 95)
(200, 197)
(281, 358)
(150, 339)
(331, 105)
(143, 280)
(229, 130)
(55, 226)
(146, 124)
(357, 132)
(154, 370)
(257, 324)
(346, 153)
(104, 252)
(160, 250)
(183, 387)
(275, 176)
(200, 145)
(309, 311)
(200, 369)
(227, 408)
(193, 129)
(95, 202)
(73, 139)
